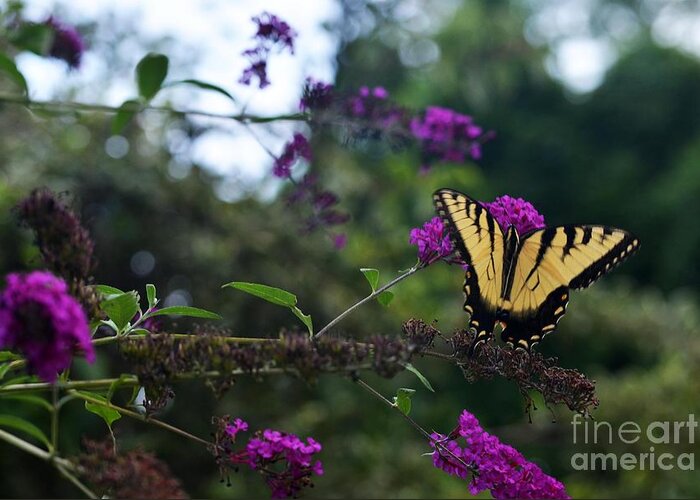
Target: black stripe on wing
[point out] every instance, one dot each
(524, 332)
(480, 319)
(447, 220)
(613, 258)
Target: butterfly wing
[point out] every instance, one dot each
(479, 239)
(550, 262)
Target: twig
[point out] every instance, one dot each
(138, 416)
(63, 465)
(76, 482)
(56, 407)
(415, 424)
(371, 296)
(229, 340)
(136, 107)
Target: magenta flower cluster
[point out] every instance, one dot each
(67, 44)
(500, 468)
(322, 207)
(272, 32)
(509, 211)
(316, 95)
(286, 462)
(432, 240)
(446, 135)
(43, 322)
(372, 106)
(297, 148)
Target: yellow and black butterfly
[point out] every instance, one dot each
(519, 281)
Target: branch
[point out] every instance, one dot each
(438, 444)
(63, 465)
(138, 416)
(371, 296)
(136, 107)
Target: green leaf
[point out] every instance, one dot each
(121, 308)
(8, 356)
(402, 400)
(151, 295)
(28, 398)
(269, 293)
(192, 312)
(420, 376)
(4, 368)
(150, 73)
(9, 67)
(109, 415)
(110, 324)
(108, 290)
(27, 427)
(385, 298)
(33, 37)
(305, 318)
(124, 115)
(201, 85)
(372, 276)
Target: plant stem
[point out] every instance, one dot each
(25, 446)
(76, 482)
(54, 419)
(371, 296)
(415, 424)
(435, 354)
(103, 383)
(138, 416)
(231, 340)
(136, 107)
(132, 380)
(63, 465)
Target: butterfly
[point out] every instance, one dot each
(522, 281)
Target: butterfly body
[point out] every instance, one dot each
(522, 282)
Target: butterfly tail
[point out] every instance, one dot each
(481, 319)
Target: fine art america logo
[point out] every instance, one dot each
(656, 439)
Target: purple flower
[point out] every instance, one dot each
(257, 68)
(298, 147)
(434, 243)
(446, 135)
(41, 320)
(432, 240)
(340, 241)
(316, 95)
(501, 469)
(368, 103)
(237, 426)
(285, 461)
(321, 204)
(67, 43)
(272, 32)
(272, 29)
(509, 211)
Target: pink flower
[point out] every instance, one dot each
(67, 44)
(446, 135)
(509, 211)
(501, 469)
(432, 241)
(297, 148)
(285, 461)
(40, 319)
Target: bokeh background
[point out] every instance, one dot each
(596, 109)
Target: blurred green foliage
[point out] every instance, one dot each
(625, 155)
